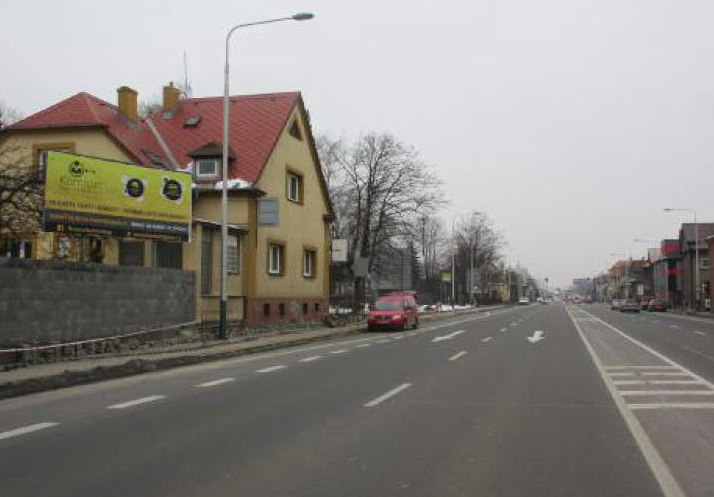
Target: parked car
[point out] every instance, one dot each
(616, 304)
(656, 305)
(523, 301)
(394, 311)
(629, 306)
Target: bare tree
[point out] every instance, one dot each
(20, 194)
(477, 238)
(8, 116)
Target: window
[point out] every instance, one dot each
(268, 212)
(168, 255)
(704, 262)
(233, 254)
(308, 263)
(266, 309)
(295, 130)
(276, 259)
(317, 307)
(206, 261)
(41, 156)
(16, 247)
(131, 253)
(294, 187)
(281, 309)
(206, 168)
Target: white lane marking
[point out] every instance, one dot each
(673, 373)
(667, 392)
(136, 402)
(215, 382)
(25, 429)
(504, 329)
(363, 345)
(675, 327)
(457, 355)
(391, 393)
(697, 332)
(621, 374)
(673, 405)
(383, 341)
(660, 470)
(398, 337)
(487, 339)
(698, 352)
(514, 324)
(341, 351)
(448, 337)
(270, 369)
(311, 358)
(657, 382)
(609, 368)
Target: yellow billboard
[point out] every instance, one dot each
(84, 194)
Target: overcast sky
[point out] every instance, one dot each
(571, 123)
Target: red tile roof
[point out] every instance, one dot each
(85, 110)
(256, 122)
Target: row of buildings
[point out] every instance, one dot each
(668, 272)
(279, 208)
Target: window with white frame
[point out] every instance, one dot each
(233, 254)
(294, 187)
(308, 263)
(704, 262)
(276, 259)
(206, 168)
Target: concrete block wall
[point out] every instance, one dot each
(55, 301)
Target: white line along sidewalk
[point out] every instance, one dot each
(668, 408)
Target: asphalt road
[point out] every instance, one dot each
(460, 408)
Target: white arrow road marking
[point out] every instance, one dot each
(391, 393)
(215, 382)
(537, 337)
(449, 336)
(25, 429)
(136, 402)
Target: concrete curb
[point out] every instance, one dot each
(136, 366)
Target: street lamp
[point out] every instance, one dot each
(453, 262)
(696, 248)
(224, 179)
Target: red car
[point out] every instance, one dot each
(394, 311)
(657, 305)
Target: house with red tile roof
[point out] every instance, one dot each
(279, 207)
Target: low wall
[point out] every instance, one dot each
(54, 301)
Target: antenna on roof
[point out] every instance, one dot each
(187, 90)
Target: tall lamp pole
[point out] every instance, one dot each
(224, 177)
(698, 288)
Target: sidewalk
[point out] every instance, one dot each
(42, 377)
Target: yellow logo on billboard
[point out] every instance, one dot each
(88, 193)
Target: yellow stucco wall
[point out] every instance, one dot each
(301, 224)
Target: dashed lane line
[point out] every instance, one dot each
(487, 339)
(215, 382)
(270, 369)
(504, 329)
(25, 430)
(388, 395)
(610, 368)
(363, 345)
(311, 358)
(340, 351)
(458, 355)
(136, 402)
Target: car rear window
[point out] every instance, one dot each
(386, 305)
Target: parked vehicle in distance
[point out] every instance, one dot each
(616, 304)
(629, 306)
(523, 301)
(396, 310)
(656, 305)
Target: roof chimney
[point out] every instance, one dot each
(127, 102)
(171, 97)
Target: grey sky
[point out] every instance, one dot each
(570, 123)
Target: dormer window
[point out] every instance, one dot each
(192, 122)
(206, 168)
